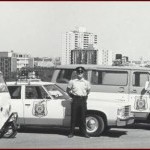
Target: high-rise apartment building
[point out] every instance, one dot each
(76, 40)
(105, 57)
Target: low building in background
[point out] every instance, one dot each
(105, 57)
(46, 61)
(43, 62)
(8, 64)
(23, 60)
(84, 56)
(12, 62)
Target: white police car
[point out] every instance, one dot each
(39, 103)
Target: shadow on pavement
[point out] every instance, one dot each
(59, 131)
(65, 132)
(144, 126)
(114, 133)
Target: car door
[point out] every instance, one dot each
(17, 101)
(40, 108)
(60, 101)
(139, 97)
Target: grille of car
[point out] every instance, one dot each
(127, 110)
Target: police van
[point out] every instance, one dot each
(40, 103)
(113, 84)
(109, 92)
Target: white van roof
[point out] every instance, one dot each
(91, 67)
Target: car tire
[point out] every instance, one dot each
(94, 125)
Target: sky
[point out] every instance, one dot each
(36, 28)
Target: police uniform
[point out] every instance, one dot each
(79, 89)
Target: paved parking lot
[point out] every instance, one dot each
(136, 136)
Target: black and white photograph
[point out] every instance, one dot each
(74, 74)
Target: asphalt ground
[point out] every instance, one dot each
(134, 136)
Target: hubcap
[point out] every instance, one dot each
(91, 124)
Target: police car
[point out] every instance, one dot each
(41, 103)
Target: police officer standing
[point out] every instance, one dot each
(78, 89)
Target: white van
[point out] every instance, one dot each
(109, 91)
(124, 84)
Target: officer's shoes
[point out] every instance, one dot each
(70, 135)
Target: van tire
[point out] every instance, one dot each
(94, 125)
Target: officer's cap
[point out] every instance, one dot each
(80, 69)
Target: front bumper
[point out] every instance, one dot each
(125, 121)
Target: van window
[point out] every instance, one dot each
(65, 75)
(139, 78)
(116, 78)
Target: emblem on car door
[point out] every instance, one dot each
(141, 103)
(39, 109)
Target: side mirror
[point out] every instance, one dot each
(147, 86)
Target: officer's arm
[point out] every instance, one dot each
(88, 88)
(69, 88)
(88, 91)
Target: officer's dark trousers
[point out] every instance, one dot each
(78, 113)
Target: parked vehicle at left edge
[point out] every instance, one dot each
(8, 119)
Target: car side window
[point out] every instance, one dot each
(31, 92)
(113, 78)
(15, 92)
(139, 79)
(35, 92)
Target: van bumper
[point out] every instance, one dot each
(125, 121)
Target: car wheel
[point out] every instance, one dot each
(94, 125)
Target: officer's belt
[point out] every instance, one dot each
(79, 97)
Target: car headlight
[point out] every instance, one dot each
(120, 111)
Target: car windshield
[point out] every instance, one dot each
(56, 91)
(3, 86)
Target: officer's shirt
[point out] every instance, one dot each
(79, 87)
